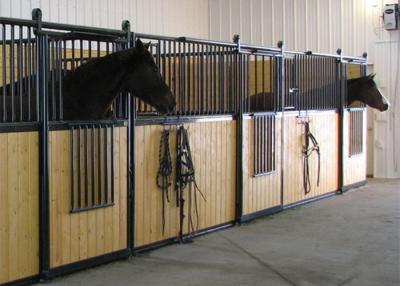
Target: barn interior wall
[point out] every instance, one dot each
(165, 17)
(355, 26)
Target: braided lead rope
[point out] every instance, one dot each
(164, 171)
(306, 155)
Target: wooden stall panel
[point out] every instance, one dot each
(19, 214)
(354, 167)
(79, 236)
(324, 126)
(213, 151)
(263, 192)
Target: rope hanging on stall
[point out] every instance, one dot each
(307, 151)
(164, 171)
(185, 176)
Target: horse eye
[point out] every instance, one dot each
(155, 69)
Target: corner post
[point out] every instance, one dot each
(41, 91)
(239, 131)
(342, 90)
(126, 27)
(280, 78)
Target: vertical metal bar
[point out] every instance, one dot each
(59, 70)
(188, 90)
(99, 161)
(4, 69)
(255, 83)
(264, 104)
(255, 149)
(214, 56)
(221, 64)
(20, 76)
(79, 167)
(106, 192)
(93, 158)
(12, 69)
(201, 83)
(183, 79)
(112, 163)
(52, 79)
(198, 81)
(86, 167)
(71, 137)
(248, 83)
(177, 96)
(207, 73)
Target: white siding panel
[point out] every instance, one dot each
(268, 23)
(312, 25)
(225, 14)
(300, 25)
(245, 15)
(167, 17)
(279, 22)
(215, 30)
(387, 124)
(256, 23)
(289, 16)
(323, 26)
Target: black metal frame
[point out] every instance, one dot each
(264, 144)
(219, 92)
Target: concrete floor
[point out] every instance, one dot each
(352, 239)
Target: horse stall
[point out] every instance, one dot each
(292, 134)
(200, 74)
(63, 185)
(255, 130)
(354, 136)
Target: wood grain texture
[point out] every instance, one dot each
(324, 126)
(354, 167)
(213, 150)
(78, 236)
(263, 192)
(19, 214)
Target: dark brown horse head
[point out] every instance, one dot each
(146, 82)
(365, 90)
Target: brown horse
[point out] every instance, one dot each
(89, 90)
(361, 89)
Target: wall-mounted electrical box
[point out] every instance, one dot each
(390, 16)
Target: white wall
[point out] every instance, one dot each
(387, 124)
(166, 17)
(320, 25)
(325, 25)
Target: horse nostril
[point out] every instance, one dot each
(385, 106)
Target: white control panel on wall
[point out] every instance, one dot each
(391, 16)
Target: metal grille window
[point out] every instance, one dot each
(18, 102)
(66, 55)
(356, 132)
(92, 166)
(264, 144)
(199, 74)
(259, 87)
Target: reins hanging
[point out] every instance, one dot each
(164, 171)
(185, 176)
(307, 151)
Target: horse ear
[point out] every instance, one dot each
(139, 45)
(146, 46)
(371, 75)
